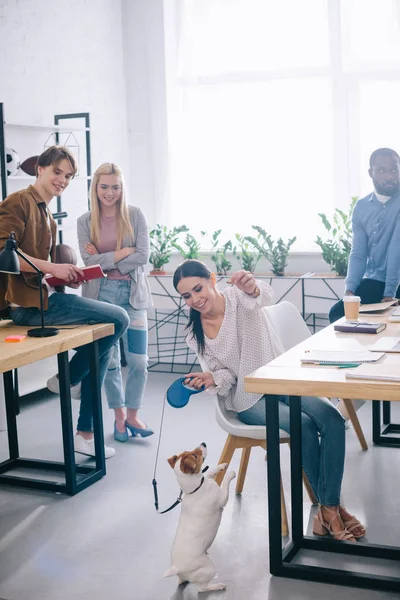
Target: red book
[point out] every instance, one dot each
(92, 272)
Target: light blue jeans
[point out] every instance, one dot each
(69, 309)
(323, 438)
(117, 291)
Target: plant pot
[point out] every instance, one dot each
(158, 272)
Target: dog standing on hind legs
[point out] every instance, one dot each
(202, 504)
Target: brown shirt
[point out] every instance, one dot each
(25, 213)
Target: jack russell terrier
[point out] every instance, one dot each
(202, 505)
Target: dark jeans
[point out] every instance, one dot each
(370, 292)
(68, 309)
(323, 438)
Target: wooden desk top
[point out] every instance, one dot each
(30, 350)
(286, 375)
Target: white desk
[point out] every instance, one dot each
(285, 375)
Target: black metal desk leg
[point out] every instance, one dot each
(376, 421)
(386, 412)
(296, 469)
(96, 406)
(274, 485)
(16, 392)
(11, 415)
(66, 423)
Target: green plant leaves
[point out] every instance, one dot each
(276, 252)
(336, 250)
(162, 241)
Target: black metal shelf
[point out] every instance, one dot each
(57, 130)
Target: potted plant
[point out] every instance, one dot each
(275, 251)
(219, 252)
(247, 258)
(161, 244)
(336, 250)
(190, 249)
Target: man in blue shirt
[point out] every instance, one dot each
(374, 263)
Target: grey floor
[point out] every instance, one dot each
(108, 543)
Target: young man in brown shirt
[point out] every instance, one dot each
(26, 213)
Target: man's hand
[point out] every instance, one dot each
(196, 380)
(244, 280)
(66, 272)
(389, 299)
(91, 249)
(349, 293)
(75, 286)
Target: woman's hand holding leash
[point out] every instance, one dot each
(197, 380)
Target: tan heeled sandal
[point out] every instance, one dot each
(353, 524)
(321, 527)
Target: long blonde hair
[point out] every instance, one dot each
(124, 226)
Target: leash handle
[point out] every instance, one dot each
(161, 512)
(154, 482)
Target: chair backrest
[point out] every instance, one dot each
(291, 329)
(288, 324)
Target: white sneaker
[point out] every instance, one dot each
(53, 384)
(87, 447)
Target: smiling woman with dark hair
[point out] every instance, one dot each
(232, 336)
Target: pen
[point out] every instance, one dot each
(344, 366)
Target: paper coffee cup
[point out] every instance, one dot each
(351, 307)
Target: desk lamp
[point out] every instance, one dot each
(9, 263)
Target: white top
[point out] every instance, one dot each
(245, 342)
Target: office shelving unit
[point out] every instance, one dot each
(57, 129)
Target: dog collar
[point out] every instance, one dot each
(178, 500)
(198, 487)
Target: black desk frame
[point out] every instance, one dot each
(382, 428)
(77, 477)
(281, 560)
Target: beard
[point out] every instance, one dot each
(387, 189)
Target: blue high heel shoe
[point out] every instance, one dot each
(136, 431)
(118, 436)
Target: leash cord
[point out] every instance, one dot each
(154, 482)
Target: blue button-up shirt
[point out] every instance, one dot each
(375, 252)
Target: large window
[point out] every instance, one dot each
(275, 107)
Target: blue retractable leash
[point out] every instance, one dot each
(177, 395)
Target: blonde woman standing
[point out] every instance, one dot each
(115, 236)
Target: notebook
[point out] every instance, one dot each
(386, 344)
(92, 272)
(377, 307)
(340, 357)
(377, 372)
(360, 327)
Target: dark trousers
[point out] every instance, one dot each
(369, 290)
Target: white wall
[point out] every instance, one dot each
(144, 55)
(62, 57)
(106, 57)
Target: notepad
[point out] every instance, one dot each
(377, 307)
(386, 343)
(375, 372)
(340, 357)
